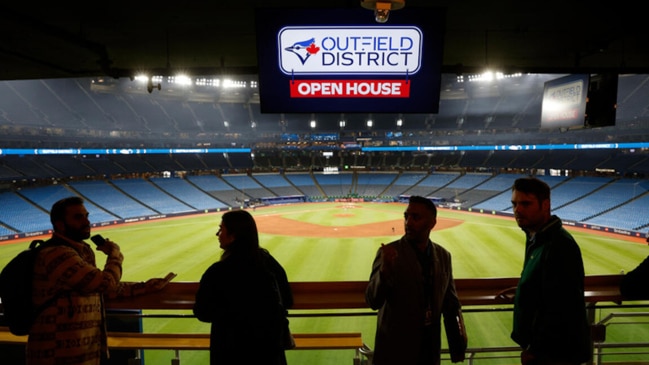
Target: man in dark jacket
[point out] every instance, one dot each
(412, 286)
(550, 322)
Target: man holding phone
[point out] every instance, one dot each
(72, 329)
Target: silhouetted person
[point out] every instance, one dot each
(71, 329)
(550, 322)
(239, 297)
(412, 286)
(635, 283)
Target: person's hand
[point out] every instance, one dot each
(506, 295)
(150, 286)
(458, 344)
(389, 256)
(457, 357)
(108, 247)
(157, 284)
(527, 357)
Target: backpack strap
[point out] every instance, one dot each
(39, 244)
(36, 243)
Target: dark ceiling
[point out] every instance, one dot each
(120, 39)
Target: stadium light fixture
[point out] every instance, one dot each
(180, 80)
(148, 81)
(489, 76)
(234, 84)
(382, 8)
(150, 86)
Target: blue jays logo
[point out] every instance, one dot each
(319, 50)
(303, 49)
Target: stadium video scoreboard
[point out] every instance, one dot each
(342, 60)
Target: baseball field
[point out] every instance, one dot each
(337, 242)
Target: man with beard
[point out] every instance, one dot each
(412, 287)
(71, 330)
(550, 322)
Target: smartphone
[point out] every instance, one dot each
(170, 276)
(98, 239)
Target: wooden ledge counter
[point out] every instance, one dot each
(351, 294)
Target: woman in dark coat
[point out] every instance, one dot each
(239, 297)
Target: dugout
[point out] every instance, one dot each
(434, 199)
(287, 199)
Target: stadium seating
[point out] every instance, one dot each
(149, 195)
(464, 189)
(606, 197)
(29, 167)
(187, 193)
(404, 182)
(373, 184)
(432, 183)
(277, 184)
(8, 173)
(248, 185)
(111, 199)
(497, 193)
(104, 165)
(595, 200)
(337, 185)
(20, 215)
(17, 110)
(304, 182)
(219, 189)
(633, 215)
(44, 197)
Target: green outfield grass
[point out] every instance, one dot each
(482, 246)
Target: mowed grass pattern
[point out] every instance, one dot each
(482, 246)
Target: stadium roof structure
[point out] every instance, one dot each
(121, 39)
(80, 57)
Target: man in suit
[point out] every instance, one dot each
(412, 286)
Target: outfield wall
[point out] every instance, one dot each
(623, 232)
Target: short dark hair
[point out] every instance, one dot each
(426, 202)
(532, 185)
(58, 209)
